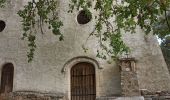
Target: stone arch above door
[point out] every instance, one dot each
(72, 62)
(79, 59)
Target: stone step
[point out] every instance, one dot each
(121, 98)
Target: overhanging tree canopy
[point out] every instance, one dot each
(128, 14)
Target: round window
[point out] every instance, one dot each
(84, 17)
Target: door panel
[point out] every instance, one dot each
(83, 85)
(7, 78)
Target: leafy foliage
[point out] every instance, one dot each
(161, 27)
(128, 14)
(104, 29)
(2, 3)
(40, 12)
(114, 18)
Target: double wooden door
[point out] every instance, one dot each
(83, 84)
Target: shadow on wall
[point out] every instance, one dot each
(165, 47)
(7, 75)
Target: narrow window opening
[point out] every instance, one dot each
(84, 17)
(2, 25)
(7, 78)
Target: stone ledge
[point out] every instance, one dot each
(31, 96)
(159, 95)
(121, 98)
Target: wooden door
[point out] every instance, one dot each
(7, 78)
(83, 84)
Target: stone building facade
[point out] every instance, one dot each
(48, 77)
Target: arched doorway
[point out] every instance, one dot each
(83, 82)
(7, 78)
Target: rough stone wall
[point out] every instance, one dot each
(30, 96)
(40, 96)
(44, 73)
(129, 83)
(121, 98)
(129, 79)
(159, 95)
(152, 70)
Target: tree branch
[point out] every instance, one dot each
(166, 17)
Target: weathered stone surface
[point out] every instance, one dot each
(44, 73)
(159, 95)
(31, 96)
(129, 83)
(121, 98)
(129, 80)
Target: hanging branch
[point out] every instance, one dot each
(167, 20)
(127, 15)
(2, 3)
(40, 12)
